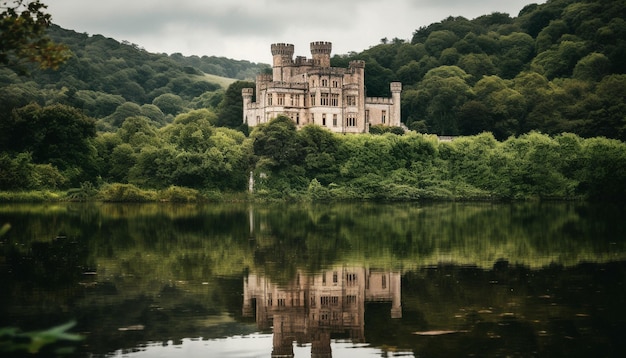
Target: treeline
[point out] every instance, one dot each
(111, 81)
(308, 164)
(556, 67)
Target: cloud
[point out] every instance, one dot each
(244, 29)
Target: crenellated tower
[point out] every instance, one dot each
(396, 91)
(320, 50)
(282, 55)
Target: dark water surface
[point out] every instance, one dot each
(345, 280)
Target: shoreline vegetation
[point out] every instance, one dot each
(318, 166)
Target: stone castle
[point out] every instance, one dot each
(310, 91)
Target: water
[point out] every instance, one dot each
(344, 280)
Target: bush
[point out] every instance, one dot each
(179, 194)
(126, 193)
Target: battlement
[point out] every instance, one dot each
(282, 49)
(321, 48)
(247, 92)
(357, 64)
(264, 77)
(396, 86)
(378, 100)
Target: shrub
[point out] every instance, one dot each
(178, 194)
(126, 193)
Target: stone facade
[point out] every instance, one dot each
(310, 91)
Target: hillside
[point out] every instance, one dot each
(104, 74)
(556, 67)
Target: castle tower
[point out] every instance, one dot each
(282, 55)
(246, 93)
(396, 90)
(320, 51)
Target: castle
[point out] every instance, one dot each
(310, 91)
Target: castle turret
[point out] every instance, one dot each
(320, 51)
(396, 90)
(246, 93)
(282, 56)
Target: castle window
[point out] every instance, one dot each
(383, 117)
(351, 279)
(324, 83)
(269, 99)
(335, 277)
(351, 120)
(351, 300)
(298, 122)
(324, 119)
(324, 279)
(351, 100)
(312, 99)
(334, 100)
(295, 100)
(335, 84)
(334, 120)
(281, 99)
(324, 99)
(384, 281)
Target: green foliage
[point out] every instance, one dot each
(23, 36)
(125, 193)
(14, 341)
(178, 194)
(58, 135)
(230, 110)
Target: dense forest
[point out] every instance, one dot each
(539, 100)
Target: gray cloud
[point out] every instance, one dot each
(244, 29)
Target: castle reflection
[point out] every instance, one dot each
(314, 307)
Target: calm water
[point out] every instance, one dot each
(347, 280)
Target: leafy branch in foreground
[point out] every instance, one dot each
(23, 38)
(12, 340)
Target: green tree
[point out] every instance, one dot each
(230, 110)
(319, 146)
(277, 143)
(444, 90)
(23, 37)
(59, 135)
(438, 41)
(592, 67)
(169, 103)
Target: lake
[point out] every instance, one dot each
(309, 280)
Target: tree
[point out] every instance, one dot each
(277, 142)
(230, 111)
(57, 134)
(23, 36)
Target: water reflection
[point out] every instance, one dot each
(315, 307)
(527, 279)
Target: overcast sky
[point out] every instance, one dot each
(245, 29)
